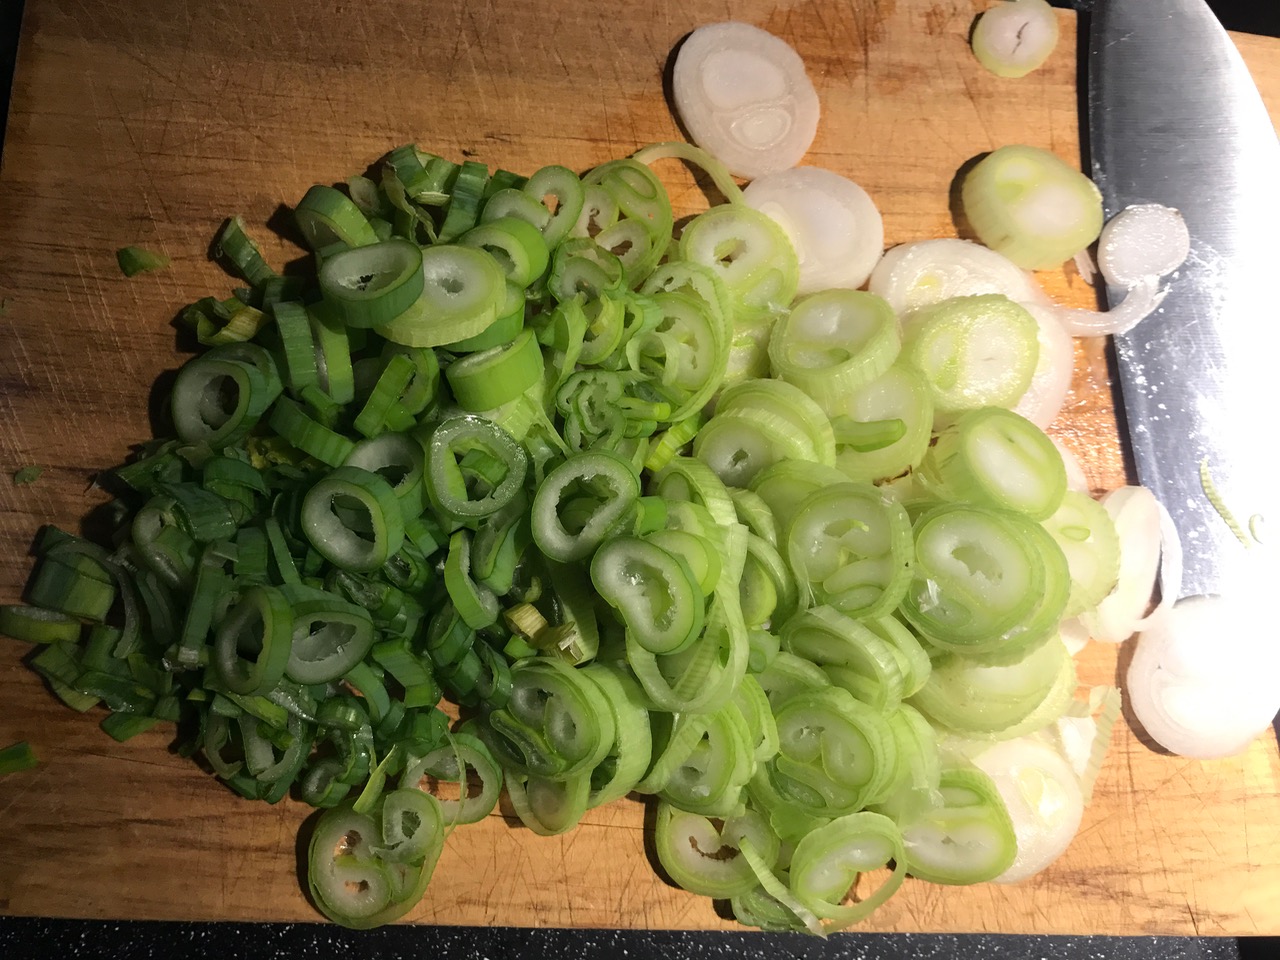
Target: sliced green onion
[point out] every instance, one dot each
(1031, 206)
(977, 351)
(326, 216)
(135, 260)
(834, 342)
(352, 517)
(462, 294)
(16, 758)
(372, 285)
(482, 381)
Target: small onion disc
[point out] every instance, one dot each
(1012, 39)
(1142, 241)
(1043, 797)
(745, 98)
(925, 272)
(833, 224)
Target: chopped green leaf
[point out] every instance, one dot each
(27, 475)
(134, 260)
(16, 758)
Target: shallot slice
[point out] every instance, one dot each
(1012, 39)
(745, 98)
(1202, 681)
(925, 272)
(833, 224)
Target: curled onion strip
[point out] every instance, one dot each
(1138, 304)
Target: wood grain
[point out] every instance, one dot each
(148, 126)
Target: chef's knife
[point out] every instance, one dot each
(1174, 118)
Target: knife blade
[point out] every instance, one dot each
(1174, 118)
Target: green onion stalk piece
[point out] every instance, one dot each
(135, 260)
(1031, 206)
(977, 351)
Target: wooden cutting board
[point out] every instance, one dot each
(148, 124)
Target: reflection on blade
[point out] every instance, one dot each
(1174, 118)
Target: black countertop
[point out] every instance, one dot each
(22, 937)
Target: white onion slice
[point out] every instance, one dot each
(1074, 634)
(1076, 479)
(1141, 242)
(1146, 534)
(1051, 381)
(744, 97)
(1138, 304)
(1202, 681)
(1042, 794)
(925, 272)
(1085, 266)
(1012, 39)
(833, 224)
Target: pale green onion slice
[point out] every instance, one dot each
(1085, 532)
(969, 839)
(516, 244)
(1013, 39)
(915, 786)
(711, 166)
(993, 456)
(971, 698)
(443, 764)
(834, 342)
(974, 351)
(785, 485)
(653, 590)
(563, 185)
(1042, 794)
(399, 459)
(852, 656)
(758, 423)
(750, 253)
(219, 396)
(632, 750)
(884, 427)
(704, 858)
(745, 97)
(977, 576)
(827, 862)
(833, 224)
(463, 291)
(546, 806)
(851, 549)
(835, 756)
(1029, 205)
